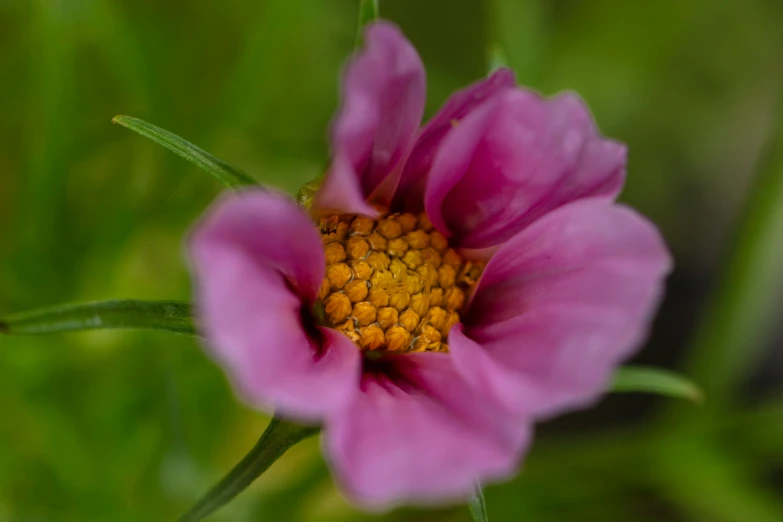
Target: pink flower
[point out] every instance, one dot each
(475, 277)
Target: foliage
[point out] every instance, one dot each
(136, 426)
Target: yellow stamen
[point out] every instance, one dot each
(378, 298)
(390, 229)
(334, 253)
(446, 276)
(357, 247)
(372, 337)
(424, 222)
(454, 298)
(436, 297)
(409, 319)
(387, 317)
(420, 303)
(436, 316)
(357, 290)
(338, 275)
(438, 241)
(418, 239)
(364, 313)
(361, 269)
(337, 307)
(393, 284)
(397, 247)
(377, 241)
(361, 226)
(397, 339)
(407, 221)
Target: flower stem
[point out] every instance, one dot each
(278, 437)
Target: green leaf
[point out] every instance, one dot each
(477, 505)
(522, 30)
(169, 316)
(742, 316)
(230, 176)
(368, 12)
(278, 437)
(497, 58)
(655, 380)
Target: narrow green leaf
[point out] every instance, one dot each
(278, 437)
(230, 176)
(477, 505)
(522, 30)
(655, 380)
(368, 12)
(169, 316)
(742, 316)
(497, 58)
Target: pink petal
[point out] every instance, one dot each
(415, 432)
(410, 191)
(560, 306)
(383, 97)
(515, 159)
(258, 263)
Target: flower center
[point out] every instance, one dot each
(393, 284)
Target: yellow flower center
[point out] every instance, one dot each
(393, 284)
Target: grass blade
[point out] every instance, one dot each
(169, 316)
(742, 316)
(477, 505)
(230, 176)
(629, 379)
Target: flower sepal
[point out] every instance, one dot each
(305, 195)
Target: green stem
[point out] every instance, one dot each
(278, 437)
(368, 12)
(169, 316)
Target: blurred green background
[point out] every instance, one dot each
(124, 426)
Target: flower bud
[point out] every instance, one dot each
(397, 247)
(424, 222)
(357, 247)
(389, 228)
(364, 313)
(387, 317)
(334, 253)
(361, 226)
(372, 337)
(338, 275)
(409, 319)
(397, 339)
(337, 307)
(407, 222)
(446, 276)
(438, 241)
(356, 291)
(361, 269)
